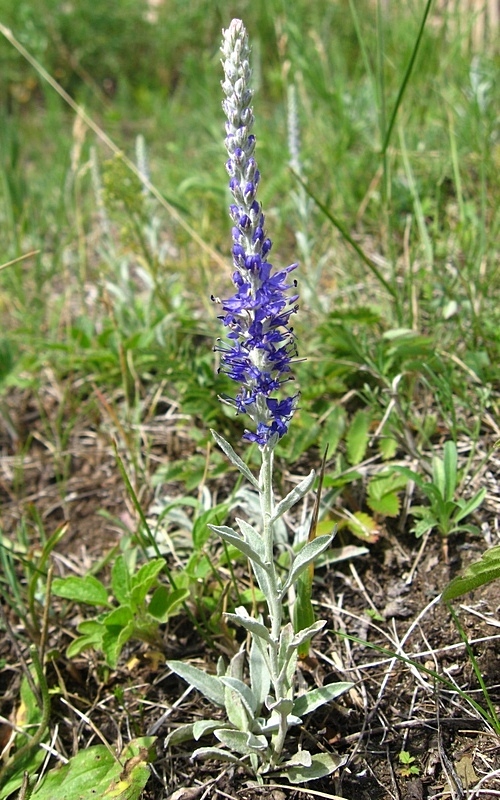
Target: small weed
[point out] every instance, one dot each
(408, 766)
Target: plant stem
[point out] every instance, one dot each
(278, 676)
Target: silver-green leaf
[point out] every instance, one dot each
(209, 685)
(254, 627)
(322, 764)
(231, 537)
(294, 496)
(317, 697)
(234, 458)
(306, 556)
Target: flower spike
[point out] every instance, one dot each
(261, 343)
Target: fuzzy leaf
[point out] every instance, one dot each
(204, 726)
(209, 685)
(217, 754)
(251, 536)
(475, 575)
(235, 459)
(317, 697)
(252, 625)
(241, 741)
(307, 633)
(240, 703)
(322, 764)
(294, 496)
(231, 537)
(184, 733)
(306, 556)
(260, 679)
(263, 579)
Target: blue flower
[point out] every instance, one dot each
(261, 344)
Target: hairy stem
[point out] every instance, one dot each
(274, 603)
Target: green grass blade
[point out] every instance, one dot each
(406, 77)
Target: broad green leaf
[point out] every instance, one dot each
(82, 643)
(209, 685)
(28, 716)
(334, 428)
(388, 447)
(361, 525)
(201, 530)
(113, 640)
(294, 496)
(303, 611)
(388, 505)
(92, 626)
(486, 570)
(410, 474)
(120, 580)
(92, 631)
(424, 525)
(322, 764)
(144, 580)
(358, 436)
(119, 617)
(82, 590)
(317, 697)
(450, 467)
(385, 484)
(165, 603)
(235, 459)
(95, 772)
(467, 507)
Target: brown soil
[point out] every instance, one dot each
(387, 599)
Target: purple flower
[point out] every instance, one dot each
(261, 344)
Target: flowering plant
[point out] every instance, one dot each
(258, 356)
